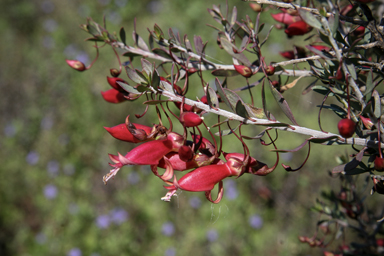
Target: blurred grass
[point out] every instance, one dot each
(54, 148)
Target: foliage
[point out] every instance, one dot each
(67, 210)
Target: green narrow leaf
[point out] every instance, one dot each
(127, 87)
(166, 86)
(213, 100)
(351, 69)
(234, 16)
(147, 66)
(123, 36)
(334, 23)
(134, 76)
(222, 94)
(225, 72)
(155, 79)
(228, 47)
(283, 104)
(232, 97)
(310, 19)
(240, 110)
(370, 87)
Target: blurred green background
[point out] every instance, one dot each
(54, 149)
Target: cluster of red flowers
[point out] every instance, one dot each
(163, 148)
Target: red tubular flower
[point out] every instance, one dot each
(288, 55)
(298, 28)
(121, 132)
(113, 96)
(190, 119)
(77, 65)
(113, 82)
(185, 153)
(149, 153)
(285, 18)
(203, 179)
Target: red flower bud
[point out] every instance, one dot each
(346, 127)
(114, 72)
(255, 7)
(75, 64)
(243, 70)
(121, 132)
(285, 18)
(359, 31)
(113, 96)
(190, 119)
(298, 28)
(204, 99)
(270, 70)
(379, 164)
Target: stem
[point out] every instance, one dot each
(265, 122)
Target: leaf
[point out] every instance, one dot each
(334, 22)
(155, 79)
(322, 140)
(291, 150)
(134, 76)
(351, 68)
(223, 96)
(128, 87)
(213, 100)
(259, 136)
(241, 110)
(282, 104)
(147, 66)
(228, 47)
(232, 98)
(234, 16)
(370, 86)
(290, 85)
(310, 19)
(198, 44)
(224, 72)
(139, 41)
(255, 112)
(166, 86)
(226, 132)
(322, 54)
(123, 36)
(161, 53)
(187, 44)
(336, 109)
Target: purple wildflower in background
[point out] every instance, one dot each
(133, 177)
(170, 252)
(168, 228)
(53, 168)
(230, 191)
(9, 130)
(118, 216)
(255, 221)
(32, 158)
(212, 235)
(103, 221)
(50, 191)
(74, 252)
(48, 42)
(195, 202)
